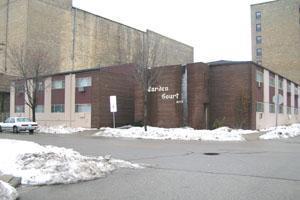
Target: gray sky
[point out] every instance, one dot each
(217, 29)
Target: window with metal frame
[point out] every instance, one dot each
(58, 84)
(259, 76)
(83, 108)
(58, 108)
(84, 82)
(258, 15)
(258, 27)
(19, 109)
(272, 108)
(259, 107)
(39, 108)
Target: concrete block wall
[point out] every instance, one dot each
(280, 32)
(77, 39)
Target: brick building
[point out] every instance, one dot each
(235, 94)
(276, 36)
(77, 39)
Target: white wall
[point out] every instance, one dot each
(267, 119)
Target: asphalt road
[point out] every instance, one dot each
(265, 170)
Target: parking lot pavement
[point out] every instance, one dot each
(180, 169)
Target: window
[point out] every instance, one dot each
(58, 108)
(40, 86)
(259, 107)
(258, 27)
(258, 15)
(12, 120)
(19, 109)
(289, 87)
(259, 76)
(289, 110)
(272, 108)
(280, 84)
(58, 84)
(258, 39)
(19, 89)
(39, 108)
(83, 82)
(258, 52)
(296, 90)
(272, 81)
(83, 108)
(296, 111)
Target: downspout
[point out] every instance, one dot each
(73, 65)
(184, 95)
(6, 36)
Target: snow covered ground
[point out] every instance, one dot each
(7, 192)
(40, 165)
(60, 129)
(281, 132)
(220, 134)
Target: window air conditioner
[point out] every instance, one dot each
(81, 89)
(259, 84)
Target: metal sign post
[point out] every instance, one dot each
(277, 100)
(113, 108)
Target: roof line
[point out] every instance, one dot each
(170, 38)
(96, 15)
(265, 3)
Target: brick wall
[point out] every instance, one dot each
(111, 81)
(198, 99)
(165, 112)
(227, 84)
(169, 112)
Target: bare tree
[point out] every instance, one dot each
(242, 109)
(145, 74)
(32, 64)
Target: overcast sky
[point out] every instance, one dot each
(217, 29)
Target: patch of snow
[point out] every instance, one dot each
(220, 134)
(281, 132)
(44, 165)
(7, 192)
(60, 129)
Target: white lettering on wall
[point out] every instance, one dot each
(158, 89)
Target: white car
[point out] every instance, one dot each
(17, 124)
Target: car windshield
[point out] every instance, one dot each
(23, 119)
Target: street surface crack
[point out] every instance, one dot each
(224, 174)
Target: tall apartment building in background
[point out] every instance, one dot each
(276, 36)
(78, 39)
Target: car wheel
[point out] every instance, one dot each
(0, 129)
(31, 132)
(15, 129)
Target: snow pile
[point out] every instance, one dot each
(220, 134)
(60, 129)
(7, 192)
(40, 165)
(281, 132)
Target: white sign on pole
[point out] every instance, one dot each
(113, 104)
(277, 99)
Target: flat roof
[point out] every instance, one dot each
(226, 62)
